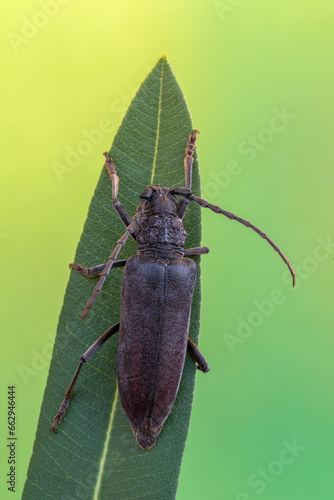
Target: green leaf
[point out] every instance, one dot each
(95, 455)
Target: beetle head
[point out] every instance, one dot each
(160, 228)
(160, 201)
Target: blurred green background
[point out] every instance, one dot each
(258, 78)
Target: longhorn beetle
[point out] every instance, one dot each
(157, 289)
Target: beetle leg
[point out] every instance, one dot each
(189, 160)
(188, 170)
(196, 354)
(120, 210)
(129, 230)
(122, 213)
(84, 358)
(91, 272)
(196, 251)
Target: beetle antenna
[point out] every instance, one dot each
(246, 223)
(129, 230)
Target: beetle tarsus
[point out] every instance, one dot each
(60, 414)
(191, 144)
(113, 175)
(205, 368)
(78, 268)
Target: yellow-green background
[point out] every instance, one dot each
(236, 61)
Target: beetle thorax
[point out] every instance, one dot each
(160, 233)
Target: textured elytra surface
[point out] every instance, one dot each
(95, 455)
(150, 359)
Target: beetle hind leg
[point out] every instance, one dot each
(84, 359)
(196, 354)
(146, 437)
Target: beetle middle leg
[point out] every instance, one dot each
(196, 354)
(196, 251)
(91, 272)
(84, 359)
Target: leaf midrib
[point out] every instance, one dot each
(158, 126)
(113, 407)
(105, 447)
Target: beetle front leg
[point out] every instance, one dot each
(84, 359)
(120, 210)
(91, 272)
(129, 230)
(188, 172)
(196, 354)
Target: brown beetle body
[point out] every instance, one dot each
(157, 290)
(155, 312)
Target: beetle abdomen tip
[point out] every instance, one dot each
(146, 437)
